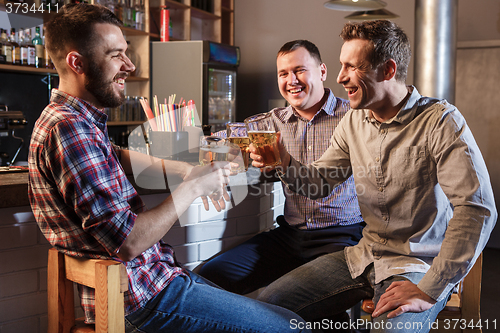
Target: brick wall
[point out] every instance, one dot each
(23, 249)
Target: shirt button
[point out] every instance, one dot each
(381, 189)
(382, 131)
(377, 159)
(310, 147)
(384, 218)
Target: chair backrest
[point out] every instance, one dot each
(107, 277)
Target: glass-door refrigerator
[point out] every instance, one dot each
(202, 71)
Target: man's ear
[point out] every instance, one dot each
(75, 62)
(323, 71)
(390, 68)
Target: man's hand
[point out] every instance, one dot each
(404, 296)
(212, 180)
(219, 204)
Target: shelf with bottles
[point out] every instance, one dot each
(128, 114)
(26, 69)
(22, 50)
(195, 20)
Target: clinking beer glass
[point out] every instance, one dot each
(214, 148)
(263, 135)
(237, 134)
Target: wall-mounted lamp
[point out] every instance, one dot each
(379, 14)
(350, 5)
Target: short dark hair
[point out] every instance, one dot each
(73, 28)
(389, 41)
(295, 44)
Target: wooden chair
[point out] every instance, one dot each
(108, 277)
(462, 312)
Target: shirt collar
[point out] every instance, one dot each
(86, 109)
(328, 107)
(407, 112)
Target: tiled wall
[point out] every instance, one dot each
(23, 249)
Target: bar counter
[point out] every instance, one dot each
(197, 236)
(14, 189)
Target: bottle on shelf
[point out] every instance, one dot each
(27, 48)
(139, 15)
(119, 10)
(23, 47)
(16, 49)
(39, 49)
(46, 57)
(3, 41)
(7, 47)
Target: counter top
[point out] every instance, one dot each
(14, 186)
(14, 189)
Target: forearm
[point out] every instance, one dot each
(311, 181)
(137, 162)
(465, 238)
(150, 226)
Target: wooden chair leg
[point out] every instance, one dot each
(61, 311)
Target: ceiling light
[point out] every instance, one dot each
(379, 14)
(350, 5)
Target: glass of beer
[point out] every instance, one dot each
(213, 148)
(262, 134)
(237, 134)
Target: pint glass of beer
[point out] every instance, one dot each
(237, 134)
(262, 134)
(214, 148)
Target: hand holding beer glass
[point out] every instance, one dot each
(237, 134)
(215, 149)
(263, 136)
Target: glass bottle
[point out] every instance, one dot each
(2, 56)
(46, 56)
(16, 49)
(138, 15)
(24, 47)
(6, 47)
(2, 43)
(31, 48)
(39, 49)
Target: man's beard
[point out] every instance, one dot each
(98, 85)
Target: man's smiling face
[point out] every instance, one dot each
(108, 67)
(300, 78)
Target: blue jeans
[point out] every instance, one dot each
(269, 255)
(324, 287)
(192, 304)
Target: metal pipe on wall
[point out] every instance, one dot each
(435, 47)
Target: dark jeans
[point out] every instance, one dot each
(192, 304)
(269, 255)
(324, 286)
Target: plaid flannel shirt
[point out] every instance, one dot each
(83, 202)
